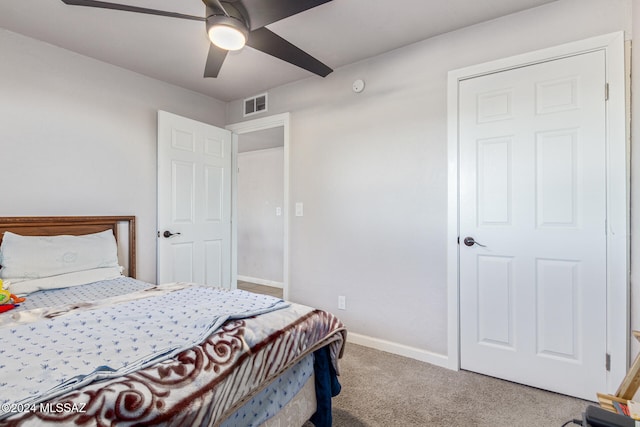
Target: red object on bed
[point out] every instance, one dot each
(6, 307)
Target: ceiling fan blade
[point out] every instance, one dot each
(265, 12)
(268, 42)
(127, 8)
(215, 59)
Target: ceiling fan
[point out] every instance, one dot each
(231, 24)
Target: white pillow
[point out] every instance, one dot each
(64, 280)
(33, 257)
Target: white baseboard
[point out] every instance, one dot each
(263, 282)
(399, 349)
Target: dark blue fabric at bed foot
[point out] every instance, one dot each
(327, 386)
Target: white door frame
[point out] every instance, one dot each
(239, 129)
(618, 329)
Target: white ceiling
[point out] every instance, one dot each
(337, 33)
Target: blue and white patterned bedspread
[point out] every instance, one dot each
(108, 341)
(96, 291)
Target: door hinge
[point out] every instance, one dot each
(607, 363)
(606, 91)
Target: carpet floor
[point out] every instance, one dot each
(383, 389)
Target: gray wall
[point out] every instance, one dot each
(371, 169)
(78, 136)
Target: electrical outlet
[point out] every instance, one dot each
(342, 302)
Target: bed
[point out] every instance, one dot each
(94, 347)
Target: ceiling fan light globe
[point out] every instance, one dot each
(226, 37)
(227, 32)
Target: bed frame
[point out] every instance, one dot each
(75, 226)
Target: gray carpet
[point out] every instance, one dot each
(382, 389)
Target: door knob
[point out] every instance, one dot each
(168, 234)
(470, 241)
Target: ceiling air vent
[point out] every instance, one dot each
(255, 105)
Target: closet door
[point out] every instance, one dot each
(533, 198)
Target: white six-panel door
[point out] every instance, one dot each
(194, 201)
(532, 190)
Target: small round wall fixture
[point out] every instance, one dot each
(358, 86)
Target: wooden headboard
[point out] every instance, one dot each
(75, 226)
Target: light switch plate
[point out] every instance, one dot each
(299, 209)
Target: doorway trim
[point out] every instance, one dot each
(253, 126)
(617, 188)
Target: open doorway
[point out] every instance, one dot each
(260, 198)
(260, 147)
